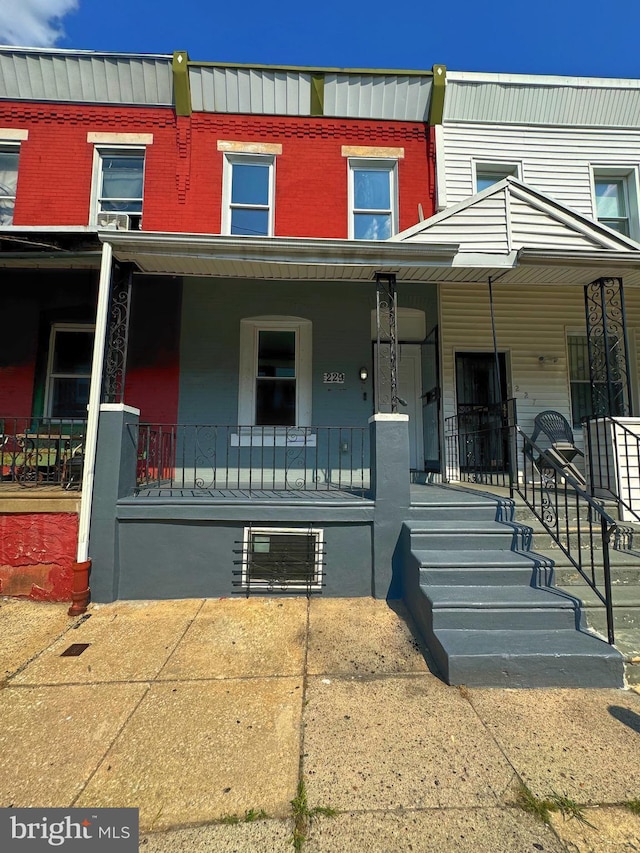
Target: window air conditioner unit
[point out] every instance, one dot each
(114, 221)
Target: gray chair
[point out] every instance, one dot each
(562, 448)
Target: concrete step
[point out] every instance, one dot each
(501, 608)
(467, 535)
(482, 511)
(499, 568)
(523, 658)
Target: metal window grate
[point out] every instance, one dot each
(281, 560)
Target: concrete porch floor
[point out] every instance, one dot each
(199, 711)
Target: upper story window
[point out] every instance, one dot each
(373, 209)
(9, 155)
(118, 179)
(615, 196)
(489, 173)
(248, 194)
(120, 184)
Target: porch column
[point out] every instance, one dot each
(115, 477)
(389, 434)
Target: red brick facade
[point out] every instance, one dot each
(183, 168)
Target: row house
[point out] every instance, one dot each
(259, 312)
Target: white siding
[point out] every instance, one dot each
(481, 227)
(555, 160)
(537, 229)
(530, 322)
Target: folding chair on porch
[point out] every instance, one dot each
(562, 449)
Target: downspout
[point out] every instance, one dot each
(81, 591)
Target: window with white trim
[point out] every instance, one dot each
(615, 199)
(275, 372)
(119, 186)
(282, 558)
(248, 194)
(69, 371)
(9, 156)
(373, 204)
(489, 173)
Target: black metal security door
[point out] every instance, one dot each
(480, 410)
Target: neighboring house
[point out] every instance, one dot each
(572, 149)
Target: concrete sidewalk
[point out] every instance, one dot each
(205, 714)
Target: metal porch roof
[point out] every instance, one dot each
(317, 260)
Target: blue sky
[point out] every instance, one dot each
(567, 37)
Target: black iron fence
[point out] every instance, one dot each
(486, 446)
(612, 453)
(42, 451)
(478, 441)
(253, 458)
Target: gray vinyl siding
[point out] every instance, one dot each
(388, 96)
(249, 90)
(530, 322)
(85, 77)
(554, 160)
(572, 102)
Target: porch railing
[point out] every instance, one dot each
(612, 453)
(42, 451)
(577, 523)
(498, 453)
(478, 441)
(253, 458)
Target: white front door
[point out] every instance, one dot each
(409, 391)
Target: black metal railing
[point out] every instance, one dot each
(612, 453)
(42, 451)
(253, 458)
(478, 441)
(576, 522)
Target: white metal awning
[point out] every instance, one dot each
(318, 260)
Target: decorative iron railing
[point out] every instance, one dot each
(576, 522)
(42, 451)
(478, 441)
(485, 445)
(612, 453)
(253, 458)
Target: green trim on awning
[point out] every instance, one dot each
(181, 88)
(436, 107)
(317, 94)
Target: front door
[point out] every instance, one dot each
(409, 394)
(483, 444)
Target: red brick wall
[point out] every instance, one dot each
(37, 551)
(183, 170)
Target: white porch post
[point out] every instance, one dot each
(95, 389)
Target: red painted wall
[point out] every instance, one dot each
(37, 551)
(183, 168)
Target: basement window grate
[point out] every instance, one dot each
(282, 560)
(75, 650)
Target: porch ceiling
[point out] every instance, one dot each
(299, 259)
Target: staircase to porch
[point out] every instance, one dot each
(487, 605)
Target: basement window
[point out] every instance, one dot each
(287, 559)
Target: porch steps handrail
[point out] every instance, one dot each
(553, 496)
